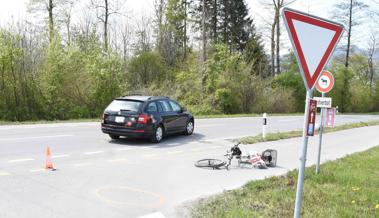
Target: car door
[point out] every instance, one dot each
(168, 116)
(180, 117)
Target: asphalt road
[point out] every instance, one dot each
(99, 177)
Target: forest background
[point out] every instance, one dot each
(207, 54)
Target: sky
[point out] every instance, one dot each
(13, 10)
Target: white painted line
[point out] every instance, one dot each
(82, 164)
(118, 160)
(173, 144)
(20, 160)
(123, 149)
(153, 215)
(209, 125)
(4, 174)
(198, 149)
(149, 155)
(174, 152)
(34, 137)
(60, 156)
(48, 125)
(288, 120)
(93, 152)
(37, 170)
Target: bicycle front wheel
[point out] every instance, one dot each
(210, 163)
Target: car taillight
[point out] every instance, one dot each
(142, 119)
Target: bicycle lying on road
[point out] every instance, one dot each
(268, 158)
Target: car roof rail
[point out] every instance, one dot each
(136, 93)
(157, 97)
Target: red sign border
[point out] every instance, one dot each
(330, 87)
(290, 15)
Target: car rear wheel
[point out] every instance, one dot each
(189, 128)
(158, 135)
(114, 136)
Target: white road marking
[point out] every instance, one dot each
(34, 137)
(123, 149)
(37, 170)
(60, 156)
(118, 160)
(153, 215)
(93, 152)
(174, 152)
(47, 125)
(149, 155)
(20, 160)
(173, 144)
(82, 164)
(209, 125)
(4, 174)
(288, 120)
(198, 149)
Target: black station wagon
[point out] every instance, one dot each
(146, 117)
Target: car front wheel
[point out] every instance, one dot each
(189, 127)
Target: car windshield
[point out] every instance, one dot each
(124, 105)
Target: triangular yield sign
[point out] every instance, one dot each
(314, 40)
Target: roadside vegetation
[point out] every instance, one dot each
(209, 55)
(293, 134)
(347, 187)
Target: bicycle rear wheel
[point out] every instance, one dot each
(210, 163)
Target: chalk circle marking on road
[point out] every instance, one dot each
(151, 199)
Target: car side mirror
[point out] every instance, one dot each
(184, 109)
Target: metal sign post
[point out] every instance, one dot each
(324, 85)
(320, 138)
(303, 157)
(314, 40)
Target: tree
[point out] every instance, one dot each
(49, 7)
(276, 5)
(372, 48)
(176, 15)
(235, 24)
(223, 21)
(341, 92)
(255, 56)
(204, 30)
(144, 69)
(349, 14)
(159, 12)
(105, 9)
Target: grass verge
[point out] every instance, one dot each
(293, 134)
(347, 187)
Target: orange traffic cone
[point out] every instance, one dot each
(49, 162)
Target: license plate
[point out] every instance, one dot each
(119, 119)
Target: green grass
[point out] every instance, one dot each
(199, 116)
(242, 115)
(347, 187)
(293, 134)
